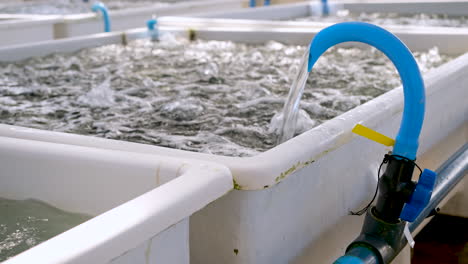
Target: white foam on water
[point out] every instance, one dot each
(214, 97)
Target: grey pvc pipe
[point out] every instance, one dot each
(448, 176)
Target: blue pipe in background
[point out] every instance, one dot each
(406, 144)
(266, 3)
(252, 3)
(153, 30)
(100, 7)
(325, 8)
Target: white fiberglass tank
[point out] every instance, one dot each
(139, 204)
(26, 29)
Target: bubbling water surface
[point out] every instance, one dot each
(207, 96)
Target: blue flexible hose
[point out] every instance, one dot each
(100, 7)
(406, 144)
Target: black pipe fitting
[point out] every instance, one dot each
(395, 188)
(383, 231)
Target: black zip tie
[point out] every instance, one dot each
(386, 159)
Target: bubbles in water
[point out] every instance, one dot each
(182, 110)
(303, 122)
(99, 96)
(209, 96)
(25, 224)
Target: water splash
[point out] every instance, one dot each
(99, 96)
(285, 122)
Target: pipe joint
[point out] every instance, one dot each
(384, 239)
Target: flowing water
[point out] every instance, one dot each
(435, 20)
(207, 96)
(26, 223)
(64, 7)
(285, 122)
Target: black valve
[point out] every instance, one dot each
(395, 188)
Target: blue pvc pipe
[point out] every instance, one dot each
(266, 3)
(406, 144)
(325, 8)
(151, 25)
(100, 7)
(252, 3)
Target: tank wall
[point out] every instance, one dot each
(170, 246)
(452, 8)
(135, 18)
(262, 13)
(21, 33)
(75, 178)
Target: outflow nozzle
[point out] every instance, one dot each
(382, 237)
(152, 29)
(100, 7)
(406, 144)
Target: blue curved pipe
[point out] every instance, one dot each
(406, 144)
(325, 8)
(153, 31)
(252, 3)
(100, 7)
(266, 3)
(151, 24)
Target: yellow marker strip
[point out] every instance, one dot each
(373, 135)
